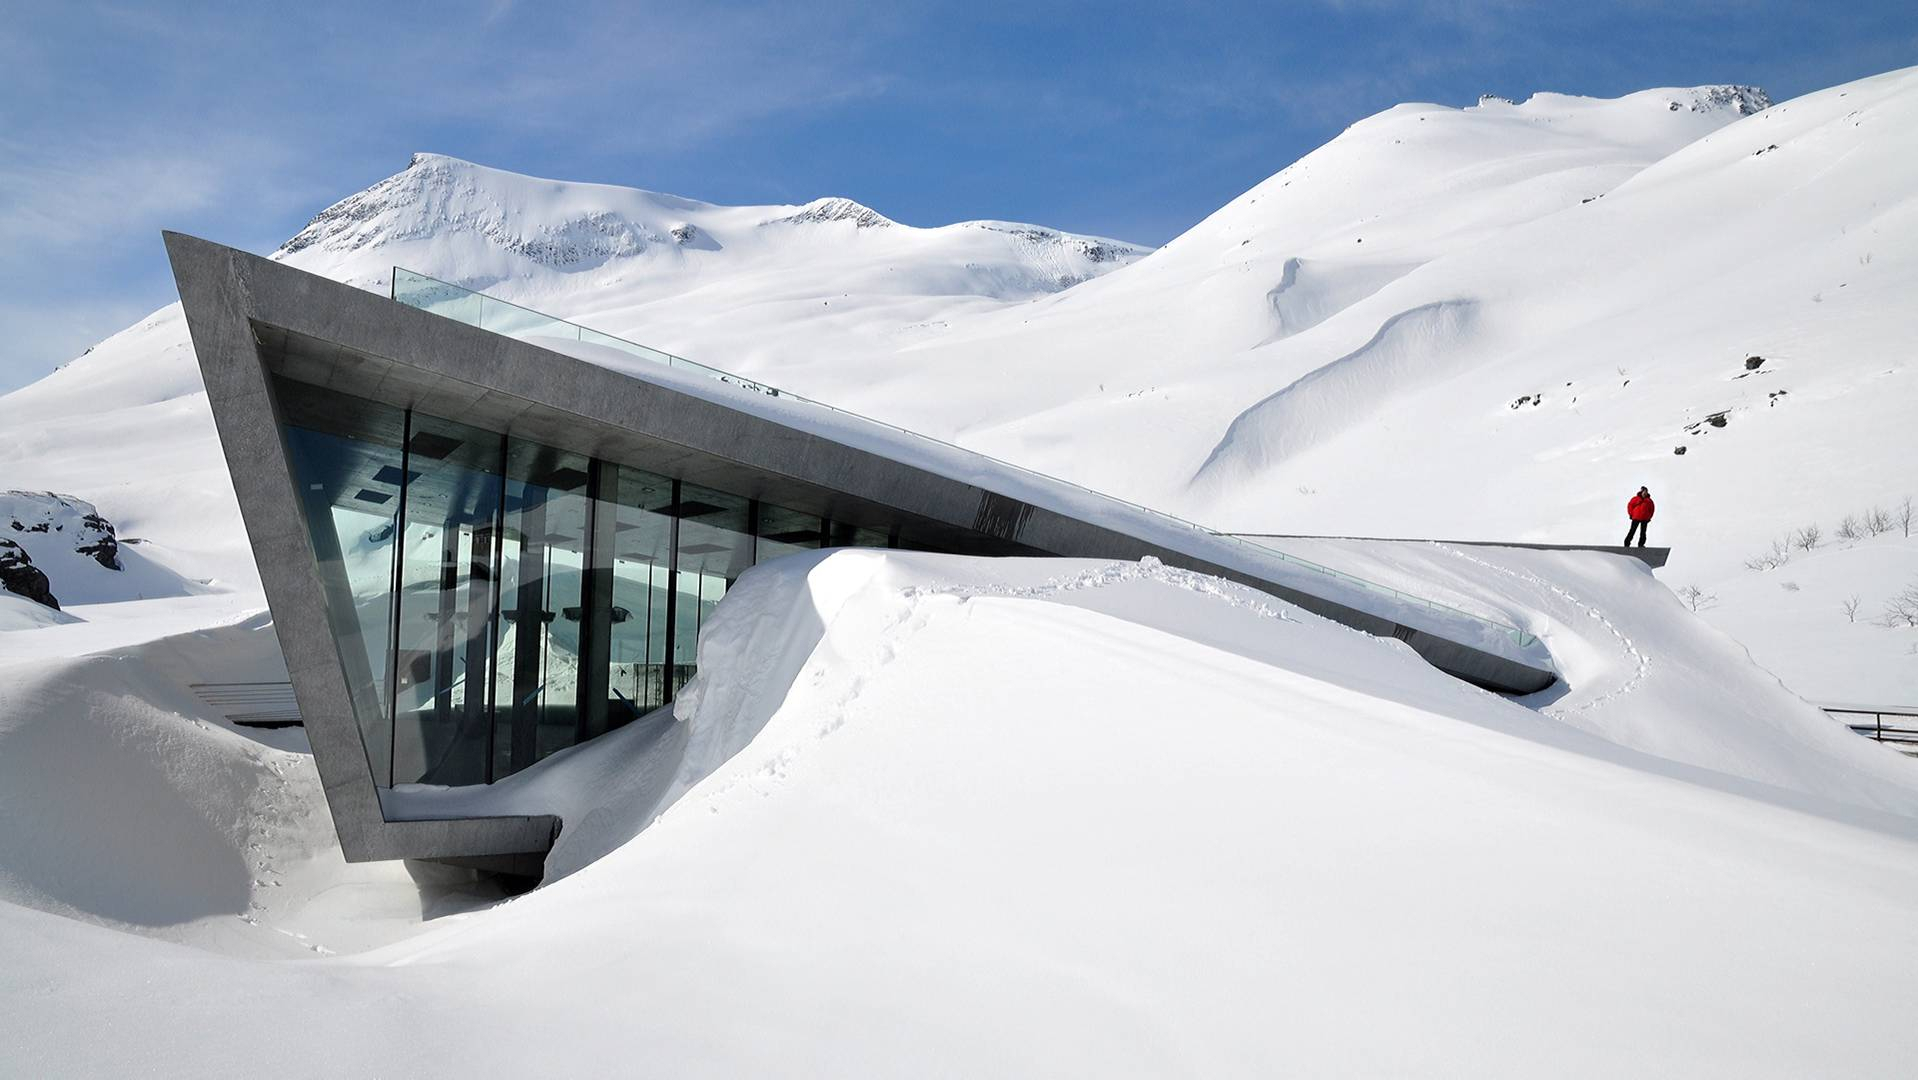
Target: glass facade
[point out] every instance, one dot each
(495, 600)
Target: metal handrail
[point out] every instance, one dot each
(444, 305)
(1900, 736)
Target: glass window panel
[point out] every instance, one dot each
(446, 598)
(547, 514)
(345, 458)
(782, 532)
(639, 544)
(845, 535)
(715, 547)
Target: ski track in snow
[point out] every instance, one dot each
(1640, 662)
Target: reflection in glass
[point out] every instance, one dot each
(495, 600)
(543, 547)
(782, 532)
(345, 466)
(446, 603)
(633, 526)
(844, 535)
(715, 547)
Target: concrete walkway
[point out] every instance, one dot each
(1653, 557)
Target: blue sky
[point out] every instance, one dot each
(240, 121)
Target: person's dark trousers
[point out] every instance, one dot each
(1642, 529)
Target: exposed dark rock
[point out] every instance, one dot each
(19, 575)
(1716, 420)
(102, 546)
(1679, 450)
(820, 211)
(1753, 363)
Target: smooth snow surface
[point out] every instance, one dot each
(1031, 817)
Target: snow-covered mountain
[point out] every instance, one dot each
(126, 424)
(1483, 322)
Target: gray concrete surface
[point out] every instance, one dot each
(1653, 557)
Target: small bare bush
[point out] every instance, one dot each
(1696, 598)
(1903, 515)
(1779, 555)
(1851, 528)
(1877, 520)
(1902, 610)
(1850, 605)
(1807, 538)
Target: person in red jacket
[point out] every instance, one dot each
(1640, 511)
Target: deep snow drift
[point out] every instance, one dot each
(1032, 817)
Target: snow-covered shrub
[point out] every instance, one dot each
(1877, 520)
(1903, 516)
(1850, 605)
(1807, 538)
(1850, 528)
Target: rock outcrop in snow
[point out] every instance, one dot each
(19, 576)
(55, 528)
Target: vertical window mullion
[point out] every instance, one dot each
(395, 592)
(672, 598)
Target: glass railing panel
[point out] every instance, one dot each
(524, 323)
(438, 297)
(589, 336)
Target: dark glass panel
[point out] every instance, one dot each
(633, 556)
(338, 448)
(845, 535)
(715, 547)
(548, 515)
(782, 532)
(447, 603)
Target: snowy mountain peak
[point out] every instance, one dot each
(1740, 100)
(836, 208)
(550, 223)
(483, 227)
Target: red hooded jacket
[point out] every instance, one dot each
(1640, 508)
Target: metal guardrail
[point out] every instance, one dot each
(465, 305)
(1901, 734)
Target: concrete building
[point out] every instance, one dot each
(481, 549)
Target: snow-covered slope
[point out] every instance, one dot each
(1177, 832)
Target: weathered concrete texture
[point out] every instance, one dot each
(216, 289)
(250, 316)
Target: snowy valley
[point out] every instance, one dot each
(1184, 828)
